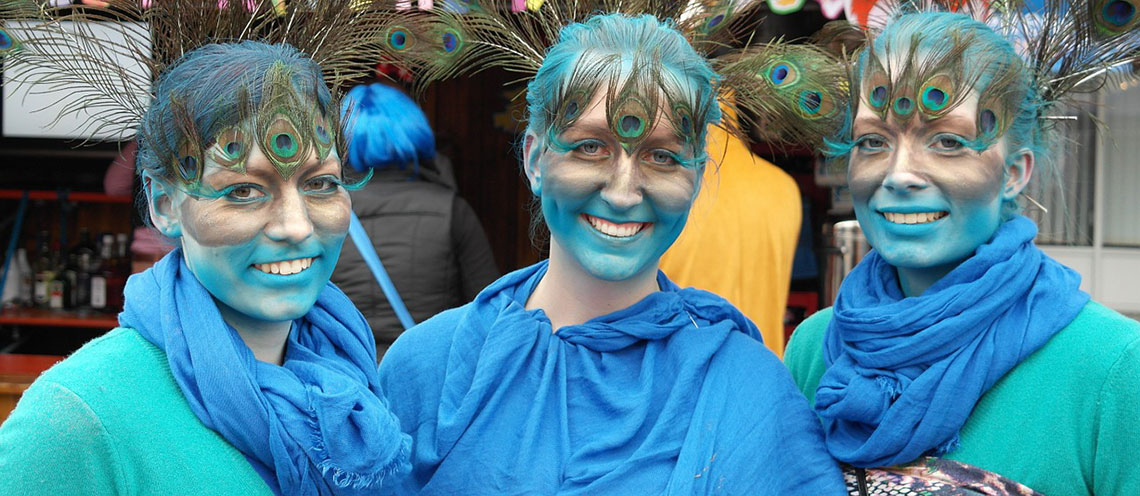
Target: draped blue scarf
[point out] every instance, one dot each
(672, 395)
(314, 425)
(905, 373)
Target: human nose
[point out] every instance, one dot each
(290, 223)
(623, 190)
(904, 174)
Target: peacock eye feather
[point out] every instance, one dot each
(7, 43)
(189, 161)
(630, 118)
(322, 136)
(988, 123)
(231, 148)
(904, 106)
(878, 97)
(783, 74)
(1114, 17)
(450, 41)
(399, 38)
(282, 144)
(630, 126)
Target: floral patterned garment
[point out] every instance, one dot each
(931, 476)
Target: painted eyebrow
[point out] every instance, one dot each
(870, 121)
(954, 123)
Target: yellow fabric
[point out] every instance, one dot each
(741, 236)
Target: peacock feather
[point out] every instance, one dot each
(791, 93)
(60, 46)
(1066, 48)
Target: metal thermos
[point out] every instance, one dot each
(845, 247)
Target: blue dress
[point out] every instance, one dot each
(673, 395)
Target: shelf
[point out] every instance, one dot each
(58, 318)
(20, 370)
(75, 196)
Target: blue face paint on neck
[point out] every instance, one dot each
(615, 212)
(266, 246)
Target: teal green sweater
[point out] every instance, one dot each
(1066, 421)
(110, 419)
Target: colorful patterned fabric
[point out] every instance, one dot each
(931, 476)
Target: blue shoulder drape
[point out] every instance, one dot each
(673, 395)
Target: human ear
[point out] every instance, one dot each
(1017, 174)
(530, 164)
(160, 204)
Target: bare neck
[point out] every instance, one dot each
(569, 295)
(265, 339)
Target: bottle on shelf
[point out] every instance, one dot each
(44, 270)
(13, 283)
(101, 273)
(59, 291)
(27, 279)
(70, 273)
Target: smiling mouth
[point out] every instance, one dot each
(616, 230)
(285, 268)
(914, 218)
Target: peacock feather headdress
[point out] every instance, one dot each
(111, 77)
(789, 93)
(1061, 48)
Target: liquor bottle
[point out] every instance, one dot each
(13, 280)
(101, 273)
(58, 291)
(85, 244)
(44, 269)
(70, 273)
(27, 280)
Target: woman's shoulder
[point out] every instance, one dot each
(102, 363)
(1095, 343)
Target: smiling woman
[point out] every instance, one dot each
(592, 373)
(238, 368)
(957, 337)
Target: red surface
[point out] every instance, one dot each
(57, 318)
(76, 196)
(25, 368)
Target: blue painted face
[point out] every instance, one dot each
(924, 200)
(615, 212)
(267, 246)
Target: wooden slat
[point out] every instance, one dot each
(57, 318)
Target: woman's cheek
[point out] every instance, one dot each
(331, 215)
(212, 223)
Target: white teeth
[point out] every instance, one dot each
(286, 267)
(915, 218)
(616, 230)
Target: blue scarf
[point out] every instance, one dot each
(315, 425)
(904, 373)
(672, 395)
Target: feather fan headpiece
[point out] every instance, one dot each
(789, 93)
(1064, 48)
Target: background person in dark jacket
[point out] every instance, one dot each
(429, 239)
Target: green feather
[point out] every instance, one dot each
(791, 93)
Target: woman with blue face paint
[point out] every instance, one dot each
(956, 344)
(591, 372)
(237, 367)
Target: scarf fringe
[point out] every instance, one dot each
(347, 479)
(891, 387)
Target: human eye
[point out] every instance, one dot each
(244, 193)
(590, 149)
(871, 143)
(322, 184)
(947, 143)
(662, 158)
